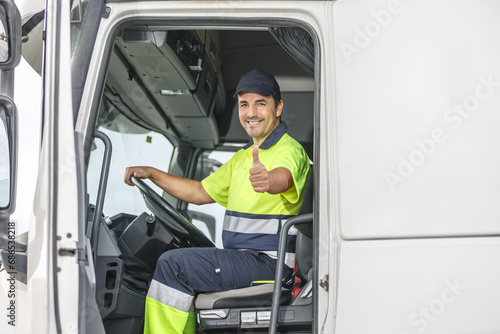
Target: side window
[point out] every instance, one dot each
(202, 214)
(145, 149)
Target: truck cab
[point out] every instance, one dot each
(393, 102)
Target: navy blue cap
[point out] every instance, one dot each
(259, 82)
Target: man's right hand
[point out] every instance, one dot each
(186, 190)
(141, 172)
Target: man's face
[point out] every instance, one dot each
(258, 115)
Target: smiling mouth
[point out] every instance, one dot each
(254, 122)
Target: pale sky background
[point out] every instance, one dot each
(27, 96)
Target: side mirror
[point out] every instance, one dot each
(10, 35)
(205, 166)
(8, 155)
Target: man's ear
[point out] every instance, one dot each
(279, 108)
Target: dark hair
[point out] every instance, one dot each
(276, 99)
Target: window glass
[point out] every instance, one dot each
(77, 13)
(4, 44)
(214, 209)
(149, 149)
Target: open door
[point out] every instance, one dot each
(56, 257)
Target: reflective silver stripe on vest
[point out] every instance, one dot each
(169, 296)
(261, 226)
(252, 225)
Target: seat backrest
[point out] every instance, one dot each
(304, 245)
(308, 206)
(303, 255)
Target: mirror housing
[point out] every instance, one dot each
(8, 150)
(205, 166)
(10, 35)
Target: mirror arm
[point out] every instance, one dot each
(19, 268)
(11, 122)
(7, 83)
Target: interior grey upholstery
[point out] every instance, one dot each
(239, 297)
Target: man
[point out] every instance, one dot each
(261, 186)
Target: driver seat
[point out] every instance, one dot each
(250, 308)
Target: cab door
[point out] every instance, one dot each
(55, 259)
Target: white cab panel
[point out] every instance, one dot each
(418, 93)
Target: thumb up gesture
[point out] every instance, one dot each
(259, 176)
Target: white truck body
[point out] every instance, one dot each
(405, 99)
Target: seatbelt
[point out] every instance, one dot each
(297, 285)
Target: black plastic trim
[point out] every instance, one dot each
(32, 23)
(292, 319)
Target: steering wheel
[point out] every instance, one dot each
(173, 220)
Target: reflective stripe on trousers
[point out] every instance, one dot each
(161, 318)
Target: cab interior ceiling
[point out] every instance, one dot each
(181, 83)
